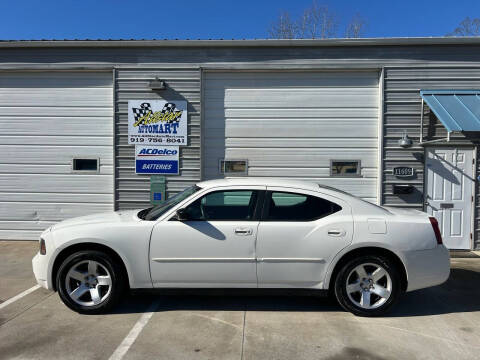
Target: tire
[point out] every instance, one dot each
(90, 282)
(371, 292)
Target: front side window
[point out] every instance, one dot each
(283, 206)
(157, 211)
(223, 206)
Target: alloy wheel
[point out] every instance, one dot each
(369, 286)
(88, 283)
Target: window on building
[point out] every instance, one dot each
(223, 205)
(233, 167)
(345, 168)
(284, 206)
(81, 165)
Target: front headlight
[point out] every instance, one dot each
(43, 248)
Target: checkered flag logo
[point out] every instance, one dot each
(170, 108)
(143, 110)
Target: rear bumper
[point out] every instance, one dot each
(427, 268)
(40, 270)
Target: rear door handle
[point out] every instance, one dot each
(243, 231)
(336, 232)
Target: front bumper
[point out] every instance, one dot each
(40, 269)
(427, 268)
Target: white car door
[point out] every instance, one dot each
(215, 247)
(299, 234)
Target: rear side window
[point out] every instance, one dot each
(283, 206)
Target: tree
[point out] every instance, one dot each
(284, 28)
(315, 22)
(356, 27)
(322, 23)
(467, 27)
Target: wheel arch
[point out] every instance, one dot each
(367, 250)
(69, 250)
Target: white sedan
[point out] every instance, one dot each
(246, 233)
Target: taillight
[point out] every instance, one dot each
(436, 230)
(43, 248)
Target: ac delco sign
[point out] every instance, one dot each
(155, 151)
(156, 159)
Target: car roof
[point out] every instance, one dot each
(264, 181)
(357, 203)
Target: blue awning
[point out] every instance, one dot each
(458, 110)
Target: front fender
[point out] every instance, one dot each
(86, 242)
(129, 242)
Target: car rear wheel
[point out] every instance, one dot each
(90, 282)
(368, 285)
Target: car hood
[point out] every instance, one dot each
(106, 217)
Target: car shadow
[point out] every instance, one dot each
(206, 228)
(235, 300)
(461, 293)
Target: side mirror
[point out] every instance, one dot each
(182, 215)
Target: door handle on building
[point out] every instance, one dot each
(446, 205)
(243, 231)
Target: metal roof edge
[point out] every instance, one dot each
(452, 111)
(400, 41)
(450, 92)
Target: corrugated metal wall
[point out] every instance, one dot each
(409, 68)
(402, 109)
(292, 124)
(46, 119)
(131, 190)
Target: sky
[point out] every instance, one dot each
(211, 19)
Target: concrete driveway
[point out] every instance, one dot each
(436, 323)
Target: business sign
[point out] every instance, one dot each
(152, 159)
(157, 122)
(403, 171)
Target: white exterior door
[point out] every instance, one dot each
(449, 195)
(292, 124)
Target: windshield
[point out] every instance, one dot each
(157, 211)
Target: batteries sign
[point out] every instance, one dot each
(151, 159)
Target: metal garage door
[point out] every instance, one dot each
(46, 120)
(289, 124)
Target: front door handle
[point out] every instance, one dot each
(243, 231)
(336, 232)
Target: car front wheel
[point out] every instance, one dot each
(368, 285)
(90, 282)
